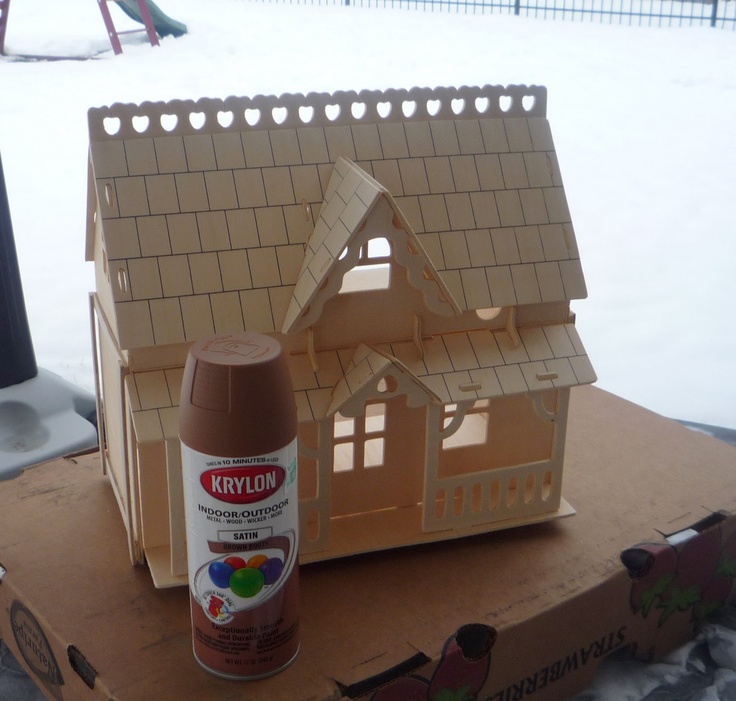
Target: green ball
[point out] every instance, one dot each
(247, 582)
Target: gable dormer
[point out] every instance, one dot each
(373, 373)
(360, 241)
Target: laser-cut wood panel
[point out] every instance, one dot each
(265, 214)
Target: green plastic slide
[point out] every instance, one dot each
(165, 26)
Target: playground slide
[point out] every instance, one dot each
(165, 26)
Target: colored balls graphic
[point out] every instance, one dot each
(246, 579)
(272, 569)
(257, 560)
(220, 573)
(247, 582)
(235, 562)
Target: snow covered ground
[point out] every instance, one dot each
(643, 120)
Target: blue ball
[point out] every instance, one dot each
(220, 574)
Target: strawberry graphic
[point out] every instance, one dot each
(652, 568)
(697, 573)
(464, 665)
(727, 560)
(714, 597)
(460, 674)
(717, 592)
(696, 568)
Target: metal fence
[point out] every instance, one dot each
(649, 13)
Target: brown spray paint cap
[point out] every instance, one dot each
(237, 397)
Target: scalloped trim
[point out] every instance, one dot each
(208, 115)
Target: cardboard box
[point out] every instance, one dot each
(534, 609)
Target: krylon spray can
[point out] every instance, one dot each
(237, 425)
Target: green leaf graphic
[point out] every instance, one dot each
(460, 694)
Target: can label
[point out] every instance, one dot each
(242, 517)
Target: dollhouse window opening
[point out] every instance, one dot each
(372, 271)
(488, 313)
(360, 442)
(471, 424)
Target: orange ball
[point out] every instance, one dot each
(256, 560)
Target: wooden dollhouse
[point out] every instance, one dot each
(413, 252)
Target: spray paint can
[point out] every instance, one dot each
(238, 425)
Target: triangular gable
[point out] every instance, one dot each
(373, 374)
(352, 196)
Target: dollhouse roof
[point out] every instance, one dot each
(212, 226)
(455, 367)
(479, 364)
